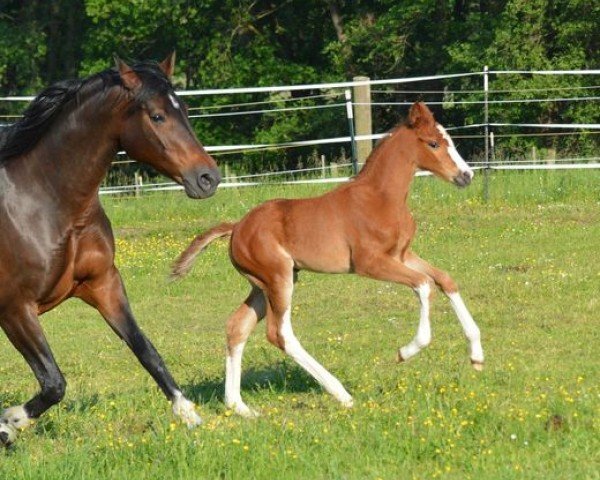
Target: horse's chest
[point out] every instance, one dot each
(60, 276)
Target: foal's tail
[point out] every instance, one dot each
(184, 263)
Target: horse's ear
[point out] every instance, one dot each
(168, 64)
(420, 115)
(129, 78)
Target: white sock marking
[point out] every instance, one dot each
(469, 326)
(184, 409)
(423, 336)
(233, 378)
(295, 350)
(17, 417)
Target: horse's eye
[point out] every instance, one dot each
(434, 145)
(157, 118)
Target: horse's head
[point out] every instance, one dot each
(437, 152)
(156, 129)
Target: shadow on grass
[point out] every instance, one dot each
(279, 378)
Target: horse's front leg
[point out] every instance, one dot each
(107, 294)
(449, 287)
(23, 329)
(388, 268)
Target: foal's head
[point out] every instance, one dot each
(156, 129)
(437, 152)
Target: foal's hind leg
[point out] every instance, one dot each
(449, 287)
(239, 328)
(107, 294)
(280, 333)
(23, 329)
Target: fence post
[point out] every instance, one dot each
(363, 122)
(137, 180)
(486, 167)
(350, 115)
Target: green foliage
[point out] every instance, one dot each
(231, 43)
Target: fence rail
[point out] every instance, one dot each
(332, 92)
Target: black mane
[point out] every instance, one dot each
(22, 136)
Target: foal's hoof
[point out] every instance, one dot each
(348, 403)
(399, 357)
(8, 434)
(245, 411)
(477, 365)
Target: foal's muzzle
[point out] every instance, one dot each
(201, 182)
(463, 178)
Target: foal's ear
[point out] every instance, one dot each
(168, 64)
(420, 115)
(130, 79)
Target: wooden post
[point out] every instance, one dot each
(137, 180)
(362, 115)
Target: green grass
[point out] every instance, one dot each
(528, 266)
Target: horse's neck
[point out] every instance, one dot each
(391, 167)
(75, 155)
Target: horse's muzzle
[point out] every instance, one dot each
(201, 182)
(463, 179)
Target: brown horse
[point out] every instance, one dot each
(362, 227)
(55, 239)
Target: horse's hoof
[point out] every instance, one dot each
(184, 409)
(477, 365)
(348, 403)
(399, 357)
(8, 435)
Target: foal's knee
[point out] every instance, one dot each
(446, 283)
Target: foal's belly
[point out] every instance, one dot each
(325, 257)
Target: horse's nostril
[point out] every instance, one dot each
(206, 180)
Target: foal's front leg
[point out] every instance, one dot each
(387, 268)
(107, 294)
(449, 287)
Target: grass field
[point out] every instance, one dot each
(529, 269)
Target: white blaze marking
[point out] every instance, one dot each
(454, 155)
(174, 101)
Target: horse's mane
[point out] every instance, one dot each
(22, 136)
(379, 144)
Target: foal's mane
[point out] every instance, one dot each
(22, 136)
(379, 144)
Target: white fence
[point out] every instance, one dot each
(338, 96)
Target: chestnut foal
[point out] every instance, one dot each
(361, 227)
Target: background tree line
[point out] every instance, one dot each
(227, 43)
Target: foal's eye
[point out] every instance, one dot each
(157, 118)
(435, 145)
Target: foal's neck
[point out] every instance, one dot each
(391, 167)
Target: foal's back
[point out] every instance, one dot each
(318, 233)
